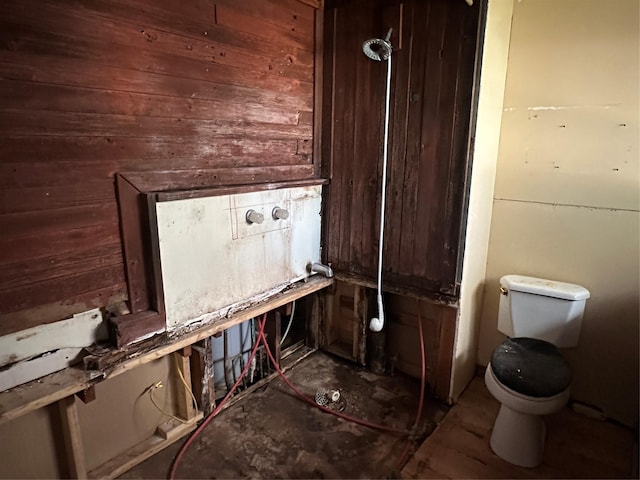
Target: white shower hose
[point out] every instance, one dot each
(377, 324)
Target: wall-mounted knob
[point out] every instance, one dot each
(279, 213)
(254, 217)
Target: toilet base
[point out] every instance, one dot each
(518, 438)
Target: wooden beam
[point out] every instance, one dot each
(313, 3)
(129, 329)
(76, 464)
(50, 389)
(87, 395)
(182, 385)
(134, 241)
(273, 334)
(168, 433)
(234, 189)
(202, 375)
(361, 323)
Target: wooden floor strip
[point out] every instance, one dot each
(577, 447)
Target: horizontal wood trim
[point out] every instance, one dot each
(400, 288)
(190, 179)
(312, 3)
(22, 175)
(42, 392)
(120, 464)
(230, 190)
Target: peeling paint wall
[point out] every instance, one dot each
(566, 200)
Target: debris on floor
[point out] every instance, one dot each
(271, 433)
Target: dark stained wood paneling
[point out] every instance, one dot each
(432, 75)
(176, 95)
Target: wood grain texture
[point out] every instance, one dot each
(170, 93)
(432, 83)
(576, 446)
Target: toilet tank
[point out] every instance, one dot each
(543, 309)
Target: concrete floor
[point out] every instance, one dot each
(272, 434)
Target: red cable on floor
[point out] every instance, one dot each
(197, 431)
(312, 402)
(402, 458)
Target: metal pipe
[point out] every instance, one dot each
(322, 269)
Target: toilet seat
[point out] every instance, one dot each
(531, 367)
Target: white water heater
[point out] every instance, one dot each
(221, 253)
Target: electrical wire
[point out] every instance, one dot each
(197, 431)
(286, 332)
(184, 382)
(151, 389)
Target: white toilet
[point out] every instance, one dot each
(527, 374)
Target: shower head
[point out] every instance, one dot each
(377, 48)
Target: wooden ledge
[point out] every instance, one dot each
(56, 386)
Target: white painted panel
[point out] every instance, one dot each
(27, 370)
(80, 331)
(212, 259)
(583, 155)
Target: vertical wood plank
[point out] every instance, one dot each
(273, 331)
(132, 220)
(202, 378)
(184, 401)
(361, 299)
(318, 89)
(432, 82)
(72, 434)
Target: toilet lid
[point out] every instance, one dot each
(531, 367)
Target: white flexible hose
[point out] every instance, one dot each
(377, 324)
(286, 332)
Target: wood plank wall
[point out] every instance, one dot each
(89, 88)
(431, 100)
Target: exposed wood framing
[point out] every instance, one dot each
(37, 394)
(202, 369)
(166, 434)
(361, 302)
(183, 388)
(72, 437)
(273, 333)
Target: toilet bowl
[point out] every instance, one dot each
(527, 373)
(518, 434)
